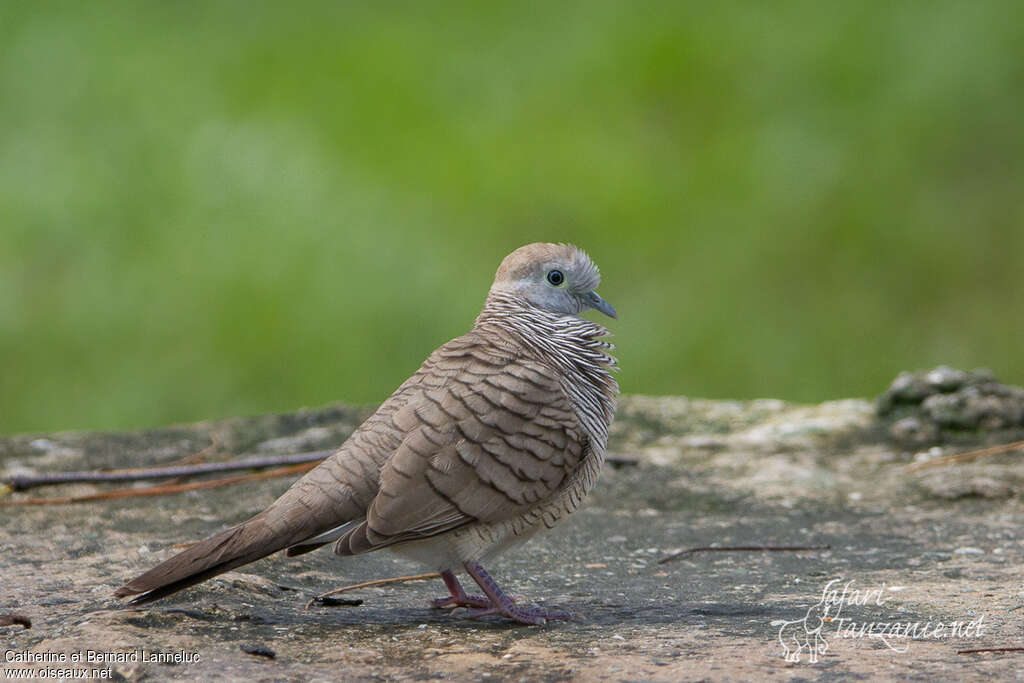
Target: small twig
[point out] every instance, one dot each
(15, 620)
(965, 457)
(21, 483)
(990, 649)
(378, 582)
(730, 548)
(163, 490)
(196, 458)
(28, 481)
(200, 455)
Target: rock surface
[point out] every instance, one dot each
(933, 546)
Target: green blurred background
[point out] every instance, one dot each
(211, 209)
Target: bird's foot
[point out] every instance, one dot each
(458, 597)
(453, 601)
(468, 601)
(505, 605)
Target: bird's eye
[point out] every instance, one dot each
(556, 277)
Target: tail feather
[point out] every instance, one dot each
(290, 521)
(311, 544)
(306, 516)
(303, 548)
(247, 542)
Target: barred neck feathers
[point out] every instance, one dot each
(572, 346)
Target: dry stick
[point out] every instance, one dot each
(163, 490)
(192, 459)
(20, 483)
(195, 458)
(990, 649)
(730, 548)
(24, 482)
(965, 457)
(378, 582)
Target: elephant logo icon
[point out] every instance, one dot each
(805, 634)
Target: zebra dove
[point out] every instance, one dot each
(499, 434)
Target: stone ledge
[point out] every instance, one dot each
(942, 545)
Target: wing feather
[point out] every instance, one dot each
(487, 446)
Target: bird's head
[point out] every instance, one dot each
(558, 278)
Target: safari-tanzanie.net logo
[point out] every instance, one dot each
(825, 621)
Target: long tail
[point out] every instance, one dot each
(302, 513)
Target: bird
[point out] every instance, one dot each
(499, 434)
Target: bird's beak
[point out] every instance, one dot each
(599, 304)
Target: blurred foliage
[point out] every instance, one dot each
(210, 209)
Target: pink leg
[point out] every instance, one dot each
(504, 605)
(458, 597)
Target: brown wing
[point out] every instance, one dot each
(489, 443)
